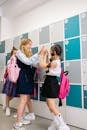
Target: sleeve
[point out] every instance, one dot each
(56, 71)
(28, 61)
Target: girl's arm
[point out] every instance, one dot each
(44, 62)
(28, 61)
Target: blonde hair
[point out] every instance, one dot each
(25, 42)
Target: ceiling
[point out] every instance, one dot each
(2, 2)
(14, 8)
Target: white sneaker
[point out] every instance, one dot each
(18, 126)
(53, 126)
(8, 111)
(30, 116)
(64, 127)
(25, 122)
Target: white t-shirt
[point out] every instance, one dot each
(55, 71)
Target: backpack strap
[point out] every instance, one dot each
(60, 102)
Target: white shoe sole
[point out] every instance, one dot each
(64, 128)
(21, 128)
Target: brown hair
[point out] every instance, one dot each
(12, 51)
(25, 42)
(57, 49)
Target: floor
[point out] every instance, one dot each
(39, 124)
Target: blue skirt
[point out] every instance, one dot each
(25, 83)
(9, 88)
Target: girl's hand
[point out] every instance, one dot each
(43, 51)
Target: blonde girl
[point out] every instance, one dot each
(25, 83)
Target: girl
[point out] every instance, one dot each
(25, 83)
(9, 88)
(51, 88)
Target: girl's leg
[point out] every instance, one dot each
(20, 111)
(52, 106)
(21, 107)
(7, 105)
(29, 104)
(31, 115)
(58, 120)
(8, 100)
(4, 101)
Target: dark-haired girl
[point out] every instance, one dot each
(51, 88)
(9, 88)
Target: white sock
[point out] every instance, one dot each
(31, 113)
(59, 120)
(55, 119)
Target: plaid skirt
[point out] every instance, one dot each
(9, 88)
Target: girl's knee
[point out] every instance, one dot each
(24, 100)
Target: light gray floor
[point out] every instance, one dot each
(39, 124)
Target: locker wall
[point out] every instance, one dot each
(71, 34)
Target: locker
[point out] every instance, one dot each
(44, 35)
(72, 49)
(71, 27)
(74, 98)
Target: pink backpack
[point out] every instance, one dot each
(13, 70)
(64, 86)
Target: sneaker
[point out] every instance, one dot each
(18, 126)
(25, 122)
(53, 126)
(30, 116)
(8, 111)
(64, 127)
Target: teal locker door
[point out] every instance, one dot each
(71, 27)
(62, 65)
(41, 97)
(85, 96)
(2, 47)
(74, 98)
(35, 50)
(25, 35)
(72, 49)
(7, 57)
